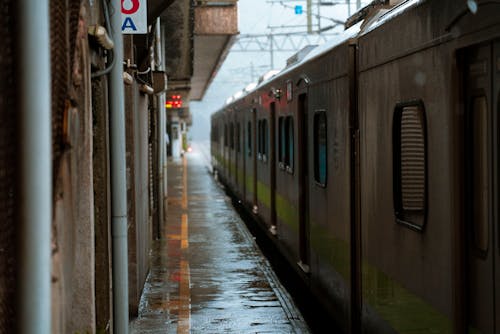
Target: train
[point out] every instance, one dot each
(372, 162)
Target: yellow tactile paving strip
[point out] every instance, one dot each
(207, 276)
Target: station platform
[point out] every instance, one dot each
(207, 274)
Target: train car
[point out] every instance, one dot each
(372, 162)
(429, 165)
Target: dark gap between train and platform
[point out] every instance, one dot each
(316, 315)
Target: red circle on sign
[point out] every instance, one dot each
(133, 9)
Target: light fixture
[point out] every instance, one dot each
(146, 89)
(127, 78)
(101, 35)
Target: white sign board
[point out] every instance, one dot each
(134, 17)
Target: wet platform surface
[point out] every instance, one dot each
(207, 274)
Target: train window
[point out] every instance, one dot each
(238, 137)
(320, 166)
(281, 142)
(410, 164)
(225, 135)
(231, 136)
(265, 140)
(480, 172)
(249, 138)
(289, 144)
(259, 140)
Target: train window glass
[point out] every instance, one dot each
(281, 142)
(290, 144)
(265, 140)
(238, 137)
(410, 165)
(231, 136)
(320, 147)
(249, 139)
(480, 172)
(225, 135)
(259, 139)
(285, 142)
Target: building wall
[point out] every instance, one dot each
(8, 168)
(73, 223)
(81, 239)
(137, 147)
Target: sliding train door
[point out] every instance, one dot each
(303, 181)
(481, 188)
(254, 159)
(496, 106)
(272, 161)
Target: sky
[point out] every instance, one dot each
(241, 68)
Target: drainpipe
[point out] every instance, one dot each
(161, 131)
(118, 178)
(164, 127)
(35, 178)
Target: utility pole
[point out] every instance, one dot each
(271, 48)
(309, 16)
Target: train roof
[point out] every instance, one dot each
(320, 50)
(384, 15)
(313, 52)
(373, 20)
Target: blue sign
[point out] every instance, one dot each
(298, 10)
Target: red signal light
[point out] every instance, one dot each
(174, 102)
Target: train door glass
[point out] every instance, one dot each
(304, 182)
(237, 148)
(272, 161)
(480, 130)
(254, 159)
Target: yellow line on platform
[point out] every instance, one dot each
(184, 326)
(173, 237)
(184, 232)
(184, 183)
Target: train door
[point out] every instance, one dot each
(254, 139)
(496, 105)
(303, 181)
(244, 158)
(481, 195)
(238, 156)
(272, 161)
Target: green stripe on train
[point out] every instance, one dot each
(287, 212)
(264, 194)
(401, 309)
(331, 249)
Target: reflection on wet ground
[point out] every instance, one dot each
(207, 274)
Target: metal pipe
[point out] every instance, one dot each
(161, 130)
(118, 178)
(35, 179)
(164, 122)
